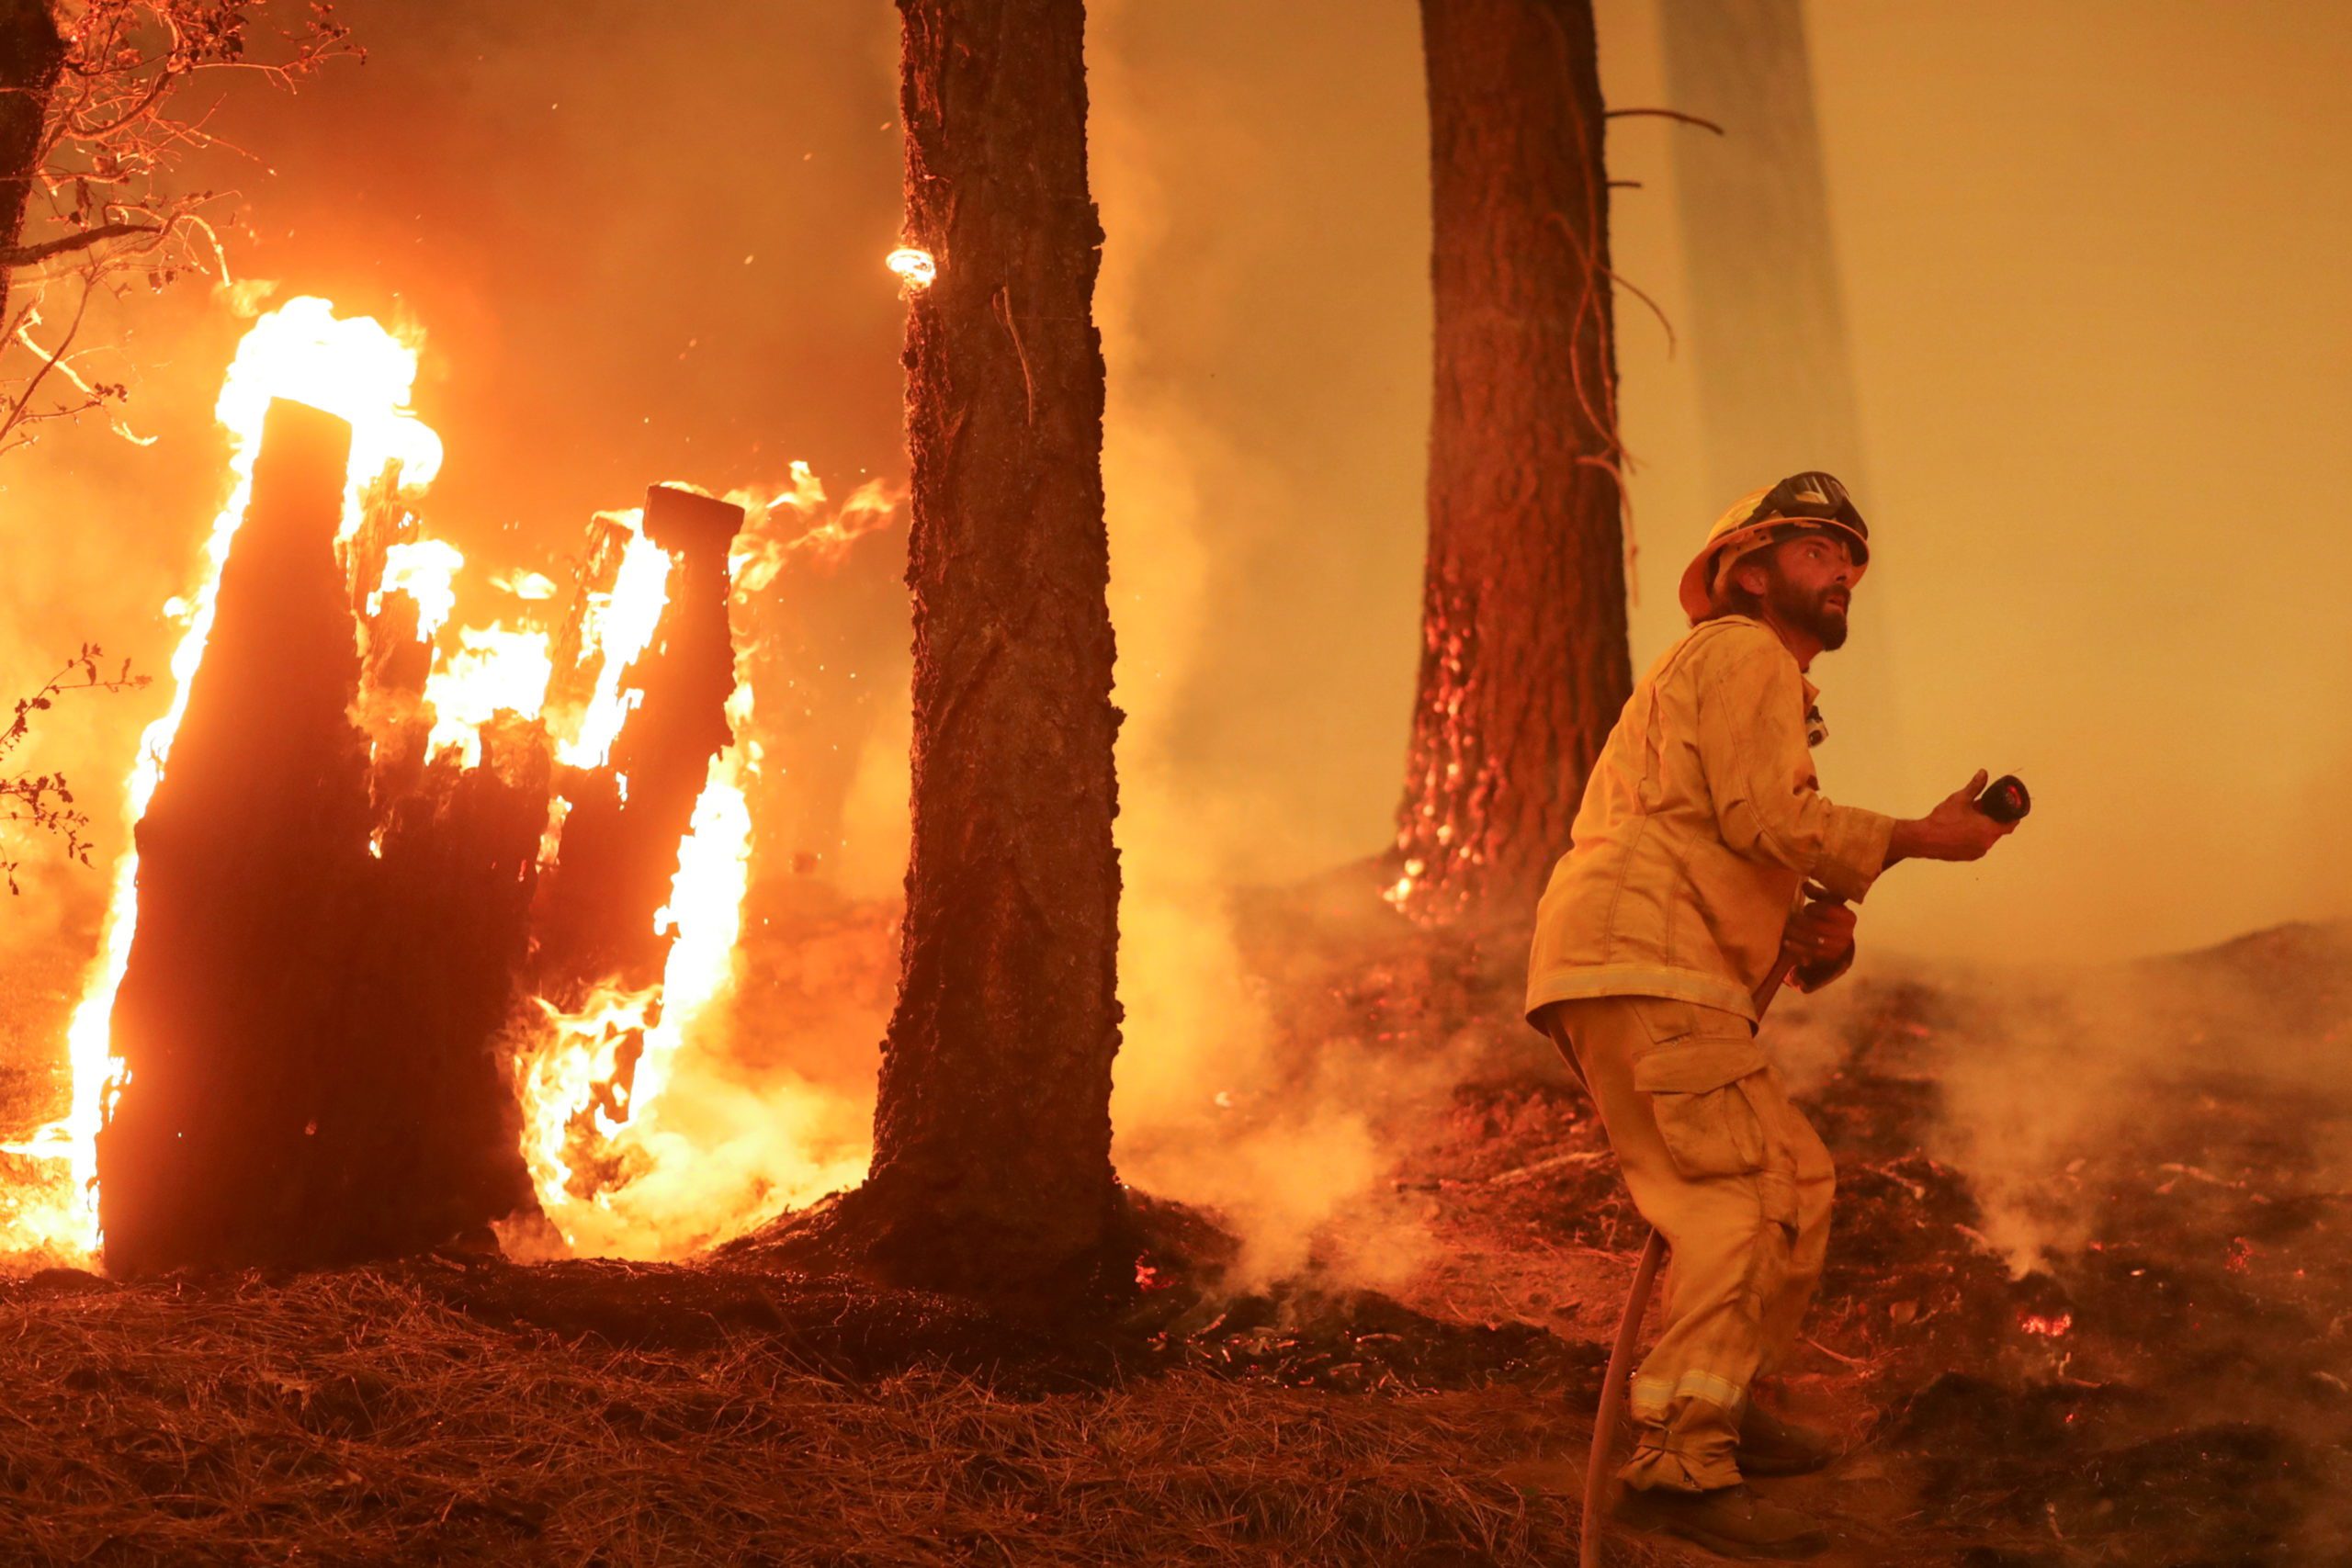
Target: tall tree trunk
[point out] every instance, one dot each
(32, 54)
(993, 1132)
(1776, 386)
(1767, 310)
(1524, 662)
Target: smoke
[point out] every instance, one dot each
(1234, 578)
(2048, 1076)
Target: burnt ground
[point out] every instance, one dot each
(2169, 1387)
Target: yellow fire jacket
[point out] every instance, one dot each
(1702, 822)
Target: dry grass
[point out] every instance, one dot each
(357, 1417)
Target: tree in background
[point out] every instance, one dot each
(1524, 658)
(991, 1169)
(95, 122)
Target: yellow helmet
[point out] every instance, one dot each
(1761, 516)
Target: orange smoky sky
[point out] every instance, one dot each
(2089, 260)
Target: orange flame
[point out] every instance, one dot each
(426, 570)
(619, 624)
(778, 527)
(494, 670)
(576, 1071)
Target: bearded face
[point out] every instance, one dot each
(1808, 585)
(1819, 611)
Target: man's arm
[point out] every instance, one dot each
(1769, 805)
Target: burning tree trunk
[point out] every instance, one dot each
(621, 834)
(593, 927)
(250, 856)
(1524, 662)
(992, 1132)
(31, 55)
(305, 1026)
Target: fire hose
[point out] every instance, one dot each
(2004, 800)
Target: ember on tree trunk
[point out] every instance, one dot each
(306, 1027)
(1524, 658)
(993, 1132)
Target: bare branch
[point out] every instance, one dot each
(1676, 115)
(66, 244)
(116, 128)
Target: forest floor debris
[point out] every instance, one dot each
(2170, 1388)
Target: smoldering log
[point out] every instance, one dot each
(308, 1025)
(253, 856)
(620, 837)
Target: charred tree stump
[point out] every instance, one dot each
(619, 846)
(450, 936)
(252, 858)
(1524, 658)
(993, 1132)
(308, 1026)
(593, 926)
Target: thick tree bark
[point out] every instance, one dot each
(1768, 318)
(31, 55)
(1525, 661)
(1768, 330)
(992, 1132)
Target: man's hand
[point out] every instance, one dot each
(1955, 830)
(1820, 936)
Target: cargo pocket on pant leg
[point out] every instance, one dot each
(1708, 1122)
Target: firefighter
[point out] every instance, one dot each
(1703, 855)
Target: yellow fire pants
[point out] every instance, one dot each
(1720, 1162)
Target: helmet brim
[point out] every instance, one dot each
(1697, 589)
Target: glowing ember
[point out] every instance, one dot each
(2047, 1327)
(915, 269)
(526, 584)
(358, 371)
